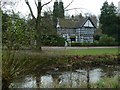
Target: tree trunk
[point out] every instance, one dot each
(5, 84)
(38, 27)
(38, 33)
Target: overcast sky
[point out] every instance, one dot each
(87, 6)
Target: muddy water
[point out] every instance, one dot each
(68, 78)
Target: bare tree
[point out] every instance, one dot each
(37, 19)
(9, 6)
(68, 5)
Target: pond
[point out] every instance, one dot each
(68, 77)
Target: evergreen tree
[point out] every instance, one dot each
(58, 11)
(104, 12)
(55, 12)
(108, 19)
(118, 29)
(61, 9)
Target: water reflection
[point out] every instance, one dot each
(67, 78)
(46, 81)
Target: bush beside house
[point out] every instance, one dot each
(52, 40)
(104, 40)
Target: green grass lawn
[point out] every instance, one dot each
(95, 51)
(80, 52)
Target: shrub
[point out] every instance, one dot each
(96, 43)
(14, 66)
(107, 83)
(97, 37)
(52, 40)
(76, 44)
(105, 39)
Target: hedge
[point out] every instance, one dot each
(95, 44)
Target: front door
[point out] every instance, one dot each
(73, 38)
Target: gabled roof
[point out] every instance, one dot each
(67, 23)
(82, 23)
(72, 23)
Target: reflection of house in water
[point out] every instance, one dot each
(80, 30)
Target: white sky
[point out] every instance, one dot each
(90, 6)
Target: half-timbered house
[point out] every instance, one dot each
(81, 30)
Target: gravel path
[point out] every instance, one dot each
(62, 48)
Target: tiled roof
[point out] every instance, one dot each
(73, 23)
(67, 23)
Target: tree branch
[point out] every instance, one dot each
(30, 9)
(35, 3)
(46, 3)
(69, 4)
(74, 9)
